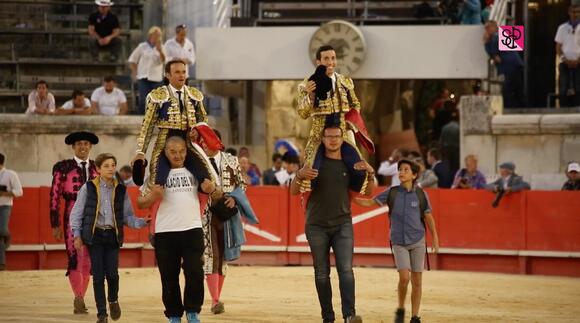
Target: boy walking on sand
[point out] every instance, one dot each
(409, 211)
(97, 218)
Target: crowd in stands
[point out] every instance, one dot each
(107, 99)
(146, 63)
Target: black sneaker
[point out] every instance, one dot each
(415, 319)
(353, 319)
(115, 310)
(102, 319)
(400, 315)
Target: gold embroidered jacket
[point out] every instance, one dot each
(163, 111)
(342, 100)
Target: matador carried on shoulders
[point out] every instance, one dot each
(329, 99)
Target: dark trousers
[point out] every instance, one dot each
(174, 250)
(340, 238)
(569, 81)
(512, 88)
(104, 252)
(114, 48)
(145, 86)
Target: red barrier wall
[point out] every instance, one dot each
(531, 232)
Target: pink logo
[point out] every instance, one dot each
(511, 38)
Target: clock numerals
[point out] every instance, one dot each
(359, 49)
(357, 60)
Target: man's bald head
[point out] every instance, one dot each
(175, 151)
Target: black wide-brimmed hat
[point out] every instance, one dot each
(81, 135)
(323, 82)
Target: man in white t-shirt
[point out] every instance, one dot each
(108, 99)
(78, 104)
(181, 48)
(569, 53)
(10, 187)
(178, 234)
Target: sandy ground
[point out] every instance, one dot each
(287, 294)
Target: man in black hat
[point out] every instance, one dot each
(508, 181)
(68, 177)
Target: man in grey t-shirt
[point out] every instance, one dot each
(329, 222)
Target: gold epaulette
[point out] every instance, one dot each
(346, 81)
(160, 94)
(195, 93)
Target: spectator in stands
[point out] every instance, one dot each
(470, 12)
(10, 188)
(426, 177)
(573, 174)
(291, 164)
(509, 64)
(181, 48)
(389, 167)
(509, 181)
(442, 117)
(147, 65)
(486, 11)
(469, 177)
(440, 167)
(126, 174)
(245, 152)
(108, 99)
(250, 176)
(104, 30)
(449, 141)
(438, 103)
(78, 104)
(270, 174)
(569, 53)
(40, 101)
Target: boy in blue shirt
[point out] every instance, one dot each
(97, 218)
(409, 211)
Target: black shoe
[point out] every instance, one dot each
(79, 306)
(218, 308)
(400, 315)
(102, 319)
(353, 319)
(115, 310)
(415, 319)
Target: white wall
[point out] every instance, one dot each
(393, 52)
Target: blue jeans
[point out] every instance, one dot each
(145, 86)
(104, 252)
(4, 233)
(340, 238)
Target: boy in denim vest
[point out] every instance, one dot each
(97, 218)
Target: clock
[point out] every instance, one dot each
(347, 40)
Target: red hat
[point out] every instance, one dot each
(212, 141)
(357, 124)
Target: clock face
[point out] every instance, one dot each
(346, 39)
